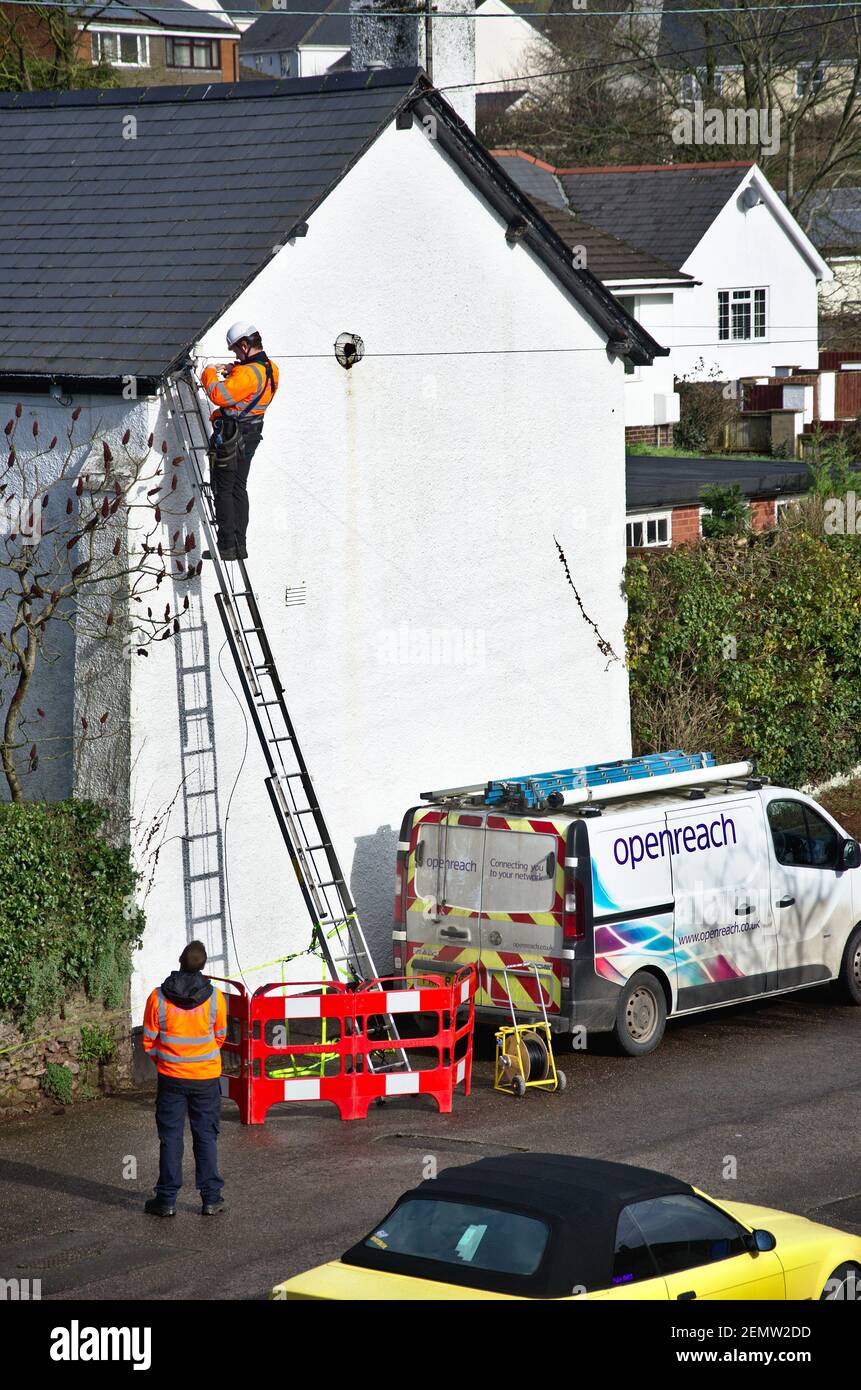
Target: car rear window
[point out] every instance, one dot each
(464, 1235)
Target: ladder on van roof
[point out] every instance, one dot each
(597, 781)
(336, 929)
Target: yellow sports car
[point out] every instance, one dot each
(552, 1226)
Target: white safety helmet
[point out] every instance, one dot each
(239, 330)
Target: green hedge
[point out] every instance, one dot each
(67, 914)
(750, 647)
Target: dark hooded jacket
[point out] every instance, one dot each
(186, 988)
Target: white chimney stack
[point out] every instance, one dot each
(425, 38)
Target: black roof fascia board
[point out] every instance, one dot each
(625, 336)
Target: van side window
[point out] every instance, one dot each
(801, 836)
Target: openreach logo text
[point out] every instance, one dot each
(77, 1343)
(715, 834)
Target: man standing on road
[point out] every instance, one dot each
(242, 394)
(185, 1025)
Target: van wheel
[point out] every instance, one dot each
(849, 979)
(641, 1015)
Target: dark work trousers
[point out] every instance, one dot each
(230, 486)
(201, 1101)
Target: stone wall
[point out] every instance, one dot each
(58, 1039)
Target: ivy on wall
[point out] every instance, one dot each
(67, 914)
(751, 647)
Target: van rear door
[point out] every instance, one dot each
(521, 913)
(725, 932)
(446, 861)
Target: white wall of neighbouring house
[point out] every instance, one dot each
(747, 250)
(507, 46)
(415, 498)
(650, 395)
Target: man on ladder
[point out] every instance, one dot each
(242, 395)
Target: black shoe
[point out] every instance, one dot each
(223, 554)
(212, 1208)
(156, 1207)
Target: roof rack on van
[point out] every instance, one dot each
(598, 781)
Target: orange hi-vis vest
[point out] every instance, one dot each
(185, 1043)
(246, 382)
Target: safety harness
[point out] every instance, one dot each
(224, 446)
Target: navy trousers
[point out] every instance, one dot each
(201, 1102)
(230, 486)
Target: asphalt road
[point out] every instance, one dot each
(775, 1086)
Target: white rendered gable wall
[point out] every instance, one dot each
(416, 497)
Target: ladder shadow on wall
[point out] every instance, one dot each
(372, 883)
(202, 839)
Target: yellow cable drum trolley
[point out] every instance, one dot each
(524, 1051)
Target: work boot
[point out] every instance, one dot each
(229, 554)
(156, 1206)
(212, 1208)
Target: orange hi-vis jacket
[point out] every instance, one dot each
(243, 383)
(185, 1043)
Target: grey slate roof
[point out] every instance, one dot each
(608, 256)
(282, 31)
(536, 179)
(662, 209)
(835, 220)
(119, 253)
(655, 481)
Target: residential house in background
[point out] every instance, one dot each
(290, 42)
(751, 302)
(664, 507)
(163, 41)
(835, 229)
(427, 454)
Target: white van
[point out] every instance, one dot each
(640, 890)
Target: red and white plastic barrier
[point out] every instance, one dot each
(350, 1083)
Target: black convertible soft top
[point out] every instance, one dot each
(579, 1198)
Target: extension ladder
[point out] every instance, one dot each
(337, 930)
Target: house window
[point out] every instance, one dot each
(192, 53)
(808, 78)
(741, 315)
(648, 532)
(120, 50)
(690, 89)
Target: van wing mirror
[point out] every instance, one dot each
(850, 854)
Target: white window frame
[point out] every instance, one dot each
(802, 75)
(746, 296)
(690, 88)
(643, 519)
(142, 47)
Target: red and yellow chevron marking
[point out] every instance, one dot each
(490, 991)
